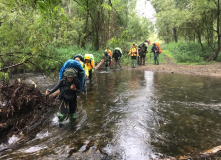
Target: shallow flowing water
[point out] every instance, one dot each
(132, 115)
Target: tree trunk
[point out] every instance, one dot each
(194, 37)
(214, 57)
(97, 30)
(85, 28)
(199, 38)
(218, 31)
(167, 41)
(67, 7)
(175, 34)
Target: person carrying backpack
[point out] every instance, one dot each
(107, 60)
(134, 54)
(89, 63)
(69, 87)
(143, 51)
(71, 63)
(117, 53)
(155, 50)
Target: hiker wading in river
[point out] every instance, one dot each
(134, 54)
(69, 87)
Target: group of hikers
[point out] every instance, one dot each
(72, 78)
(138, 54)
(74, 71)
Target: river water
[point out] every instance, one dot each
(132, 115)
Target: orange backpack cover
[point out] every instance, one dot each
(109, 51)
(158, 45)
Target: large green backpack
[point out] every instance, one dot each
(143, 48)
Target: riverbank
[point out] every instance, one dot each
(213, 69)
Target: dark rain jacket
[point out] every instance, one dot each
(66, 92)
(107, 58)
(155, 49)
(142, 49)
(116, 54)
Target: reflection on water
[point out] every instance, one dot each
(133, 114)
(132, 136)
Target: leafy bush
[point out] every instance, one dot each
(54, 57)
(188, 52)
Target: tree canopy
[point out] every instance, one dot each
(190, 20)
(29, 27)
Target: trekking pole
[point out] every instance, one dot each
(86, 91)
(47, 99)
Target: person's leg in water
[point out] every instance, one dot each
(138, 61)
(107, 65)
(72, 112)
(144, 56)
(61, 117)
(115, 64)
(135, 58)
(90, 76)
(63, 111)
(119, 64)
(141, 57)
(133, 61)
(155, 57)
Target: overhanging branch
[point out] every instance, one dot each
(15, 65)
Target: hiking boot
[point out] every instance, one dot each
(73, 115)
(61, 117)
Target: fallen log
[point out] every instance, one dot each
(98, 65)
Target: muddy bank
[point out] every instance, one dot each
(169, 67)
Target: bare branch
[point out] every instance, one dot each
(78, 3)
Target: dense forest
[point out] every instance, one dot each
(191, 21)
(40, 35)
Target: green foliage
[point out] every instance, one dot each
(119, 41)
(190, 20)
(188, 52)
(40, 35)
(56, 56)
(138, 29)
(3, 75)
(26, 33)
